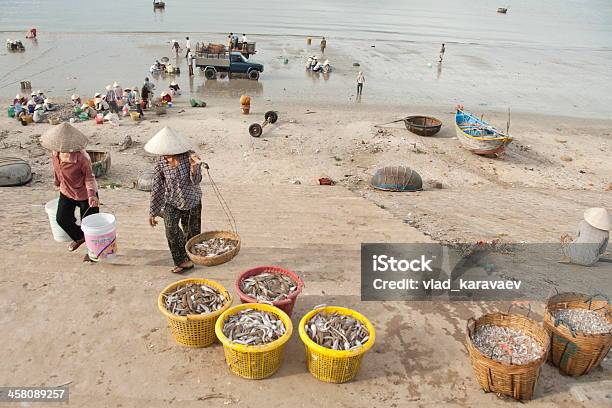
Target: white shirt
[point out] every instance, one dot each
(188, 44)
(244, 39)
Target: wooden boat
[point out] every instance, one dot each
(478, 136)
(423, 125)
(159, 4)
(100, 162)
(502, 10)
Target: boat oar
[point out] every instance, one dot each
(388, 123)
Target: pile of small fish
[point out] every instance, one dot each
(337, 331)
(583, 321)
(268, 287)
(214, 247)
(506, 345)
(193, 298)
(252, 327)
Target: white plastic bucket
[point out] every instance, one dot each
(100, 235)
(58, 233)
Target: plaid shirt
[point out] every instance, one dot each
(175, 185)
(590, 244)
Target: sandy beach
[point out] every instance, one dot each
(96, 327)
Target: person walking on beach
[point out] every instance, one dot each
(323, 45)
(175, 192)
(111, 99)
(592, 239)
(176, 47)
(74, 177)
(442, 53)
(187, 46)
(190, 63)
(360, 82)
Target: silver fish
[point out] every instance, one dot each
(506, 345)
(268, 287)
(214, 247)
(193, 298)
(337, 331)
(253, 327)
(584, 321)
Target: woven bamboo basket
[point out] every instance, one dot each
(334, 366)
(575, 353)
(254, 362)
(194, 330)
(516, 381)
(213, 260)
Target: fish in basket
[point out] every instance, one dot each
(213, 247)
(581, 329)
(507, 353)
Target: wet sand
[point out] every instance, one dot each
(523, 78)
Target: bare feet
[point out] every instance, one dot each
(74, 245)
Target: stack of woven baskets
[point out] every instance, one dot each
(573, 353)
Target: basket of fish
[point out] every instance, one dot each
(581, 328)
(507, 353)
(213, 247)
(336, 339)
(253, 337)
(192, 307)
(269, 284)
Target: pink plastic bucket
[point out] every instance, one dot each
(100, 235)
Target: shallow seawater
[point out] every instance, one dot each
(553, 57)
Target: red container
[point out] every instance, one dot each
(99, 119)
(286, 305)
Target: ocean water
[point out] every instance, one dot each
(545, 56)
(554, 23)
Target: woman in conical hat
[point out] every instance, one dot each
(175, 192)
(74, 178)
(592, 239)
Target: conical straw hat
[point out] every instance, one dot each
(168, 142)
(63, 138)
(598, 218)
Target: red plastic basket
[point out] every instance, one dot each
(286, 305)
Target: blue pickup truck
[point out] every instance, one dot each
(230, 62)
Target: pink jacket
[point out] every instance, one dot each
(75, 177)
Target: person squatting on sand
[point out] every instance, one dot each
(175, 192)
(74, 178)
(592, 239)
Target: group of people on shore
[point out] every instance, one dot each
(37, 106)
(176, 195)
(115, 99)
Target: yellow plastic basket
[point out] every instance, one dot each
(334, 366)
(254, 362)
(194, 330)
